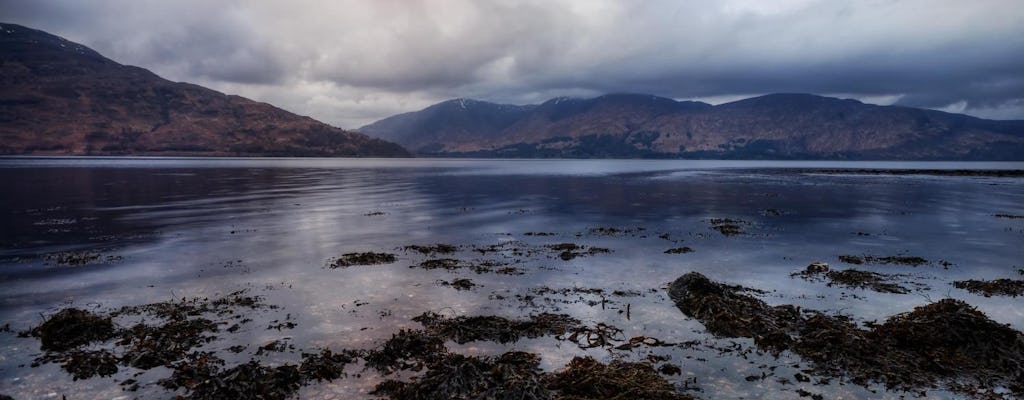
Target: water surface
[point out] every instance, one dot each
(205, 227)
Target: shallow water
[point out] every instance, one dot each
(205, 227)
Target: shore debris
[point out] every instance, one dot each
(367, 258)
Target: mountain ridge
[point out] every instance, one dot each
(62, 98)
(779, 126)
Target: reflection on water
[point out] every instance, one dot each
(202, 227)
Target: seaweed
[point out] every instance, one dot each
(513, 375)
(325, 365)
(945, 341)
(601, 335)
(465, 329)
(569, 251)
(996, 287)
(853, 278)
(367, 258)
(84, 364)
(725, 312)
(440, 263)
(150, 346)
(728, 226)
(586, 378)
(72, 327)
(250, 380)
(679, 250)
(439, 248)
(885, 260)
(459, 284)
(407, 349)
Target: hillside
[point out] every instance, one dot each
(59, 97)
(777, 126)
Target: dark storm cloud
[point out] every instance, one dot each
(350, 62)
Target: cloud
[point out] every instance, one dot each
(351, 62)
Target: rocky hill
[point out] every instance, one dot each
(777, 126)
(59, 97)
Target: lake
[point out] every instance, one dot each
(102, 233)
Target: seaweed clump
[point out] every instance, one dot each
(726, 312)
(206, 381)
(407, 349)
(586, 378)
(72, 327)
(997, 287)
(513, 375)
(569, 251)
(679, 250)
(728, 226)
(465, 329)
(853, 278)
(912, 261)
(946, 341)
(439, 248)
(368, 258)
(516, 375)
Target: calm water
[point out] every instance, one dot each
(206, 227)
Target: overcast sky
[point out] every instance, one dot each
(349, 63)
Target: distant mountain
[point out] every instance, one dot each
(777, 126)
(59, 97)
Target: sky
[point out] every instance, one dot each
(349, 63)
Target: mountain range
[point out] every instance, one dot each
(775, 126)
(60, 97)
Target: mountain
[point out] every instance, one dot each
(776, 126)
(59, 97)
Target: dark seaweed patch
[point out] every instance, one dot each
(513, 375)
(679, 250)
(997, 287)
(72, 327)
(569, 251)
(439, 248)
(946, 341)
(885, 260)
(728, 226)
(407, 349)
(465, 329)
(325, 365)
(459, 284)
(368, 258)
(882, 283)
(586, 378)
